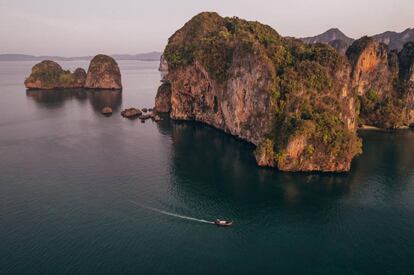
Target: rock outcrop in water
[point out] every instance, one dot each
(103, 73)
(50, 75)
(293, 101)
(131, 113)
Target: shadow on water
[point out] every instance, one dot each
(386, 155)
(57, 98)
(212, 166)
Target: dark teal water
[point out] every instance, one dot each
(68, 176)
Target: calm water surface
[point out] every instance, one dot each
(68, 176)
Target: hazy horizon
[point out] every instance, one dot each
(83, 28)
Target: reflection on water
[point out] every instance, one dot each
(224, 168)
(57, 98)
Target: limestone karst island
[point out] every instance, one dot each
(300, 104)
(207, 137)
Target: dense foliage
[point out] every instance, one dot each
(385, 112)
(303, 85)
(51, 75)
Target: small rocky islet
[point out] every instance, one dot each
(300, 104)
(103, 73)
(133, 113)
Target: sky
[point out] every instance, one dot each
(86, 27)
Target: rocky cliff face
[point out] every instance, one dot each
(103, 73)
(163, 98)
(406, 80)
(49, 75)
(293, 101)
(163, 68)
(381, 79)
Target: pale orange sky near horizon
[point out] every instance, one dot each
(73, 28)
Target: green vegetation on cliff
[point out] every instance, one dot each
(49, 75)
(387, 112)
(379, 77)
(305, 82)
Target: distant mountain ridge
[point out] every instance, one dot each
(395, 40)
(328, 36)
(151, 56)
(337, 39)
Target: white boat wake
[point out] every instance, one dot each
(170, 214)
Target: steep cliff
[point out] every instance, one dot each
(381, 83)
(406, 80)
(163, 99)
(50, 75)
(292, 100)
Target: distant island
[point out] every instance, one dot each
(152, 56)
(299, 103)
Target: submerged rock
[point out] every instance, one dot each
(50, 75)
(103, 73)
(131, 113)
